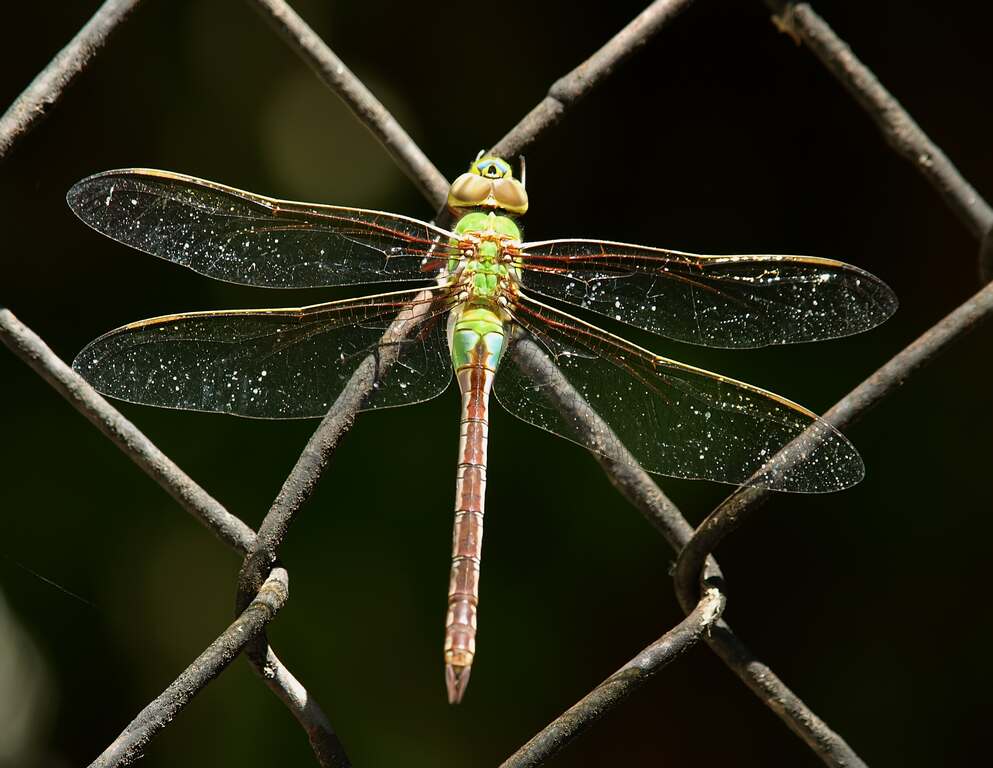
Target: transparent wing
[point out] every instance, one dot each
(277, 363)
(675, 419)
(717, 301)
(241, 237)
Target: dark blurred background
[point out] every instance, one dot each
(720, 136)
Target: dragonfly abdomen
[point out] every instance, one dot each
(477, 340)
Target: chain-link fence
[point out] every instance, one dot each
(262, 586)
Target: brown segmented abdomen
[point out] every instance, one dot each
(475, 382)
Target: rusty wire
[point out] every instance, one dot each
(263, 584)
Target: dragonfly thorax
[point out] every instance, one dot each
(485, 275)
(487, 267)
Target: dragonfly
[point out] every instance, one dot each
(470, 294)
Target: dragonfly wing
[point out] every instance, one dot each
(277, 363)
(674, 419)
(241, 237)
(717, 301)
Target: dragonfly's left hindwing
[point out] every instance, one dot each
(280, 363)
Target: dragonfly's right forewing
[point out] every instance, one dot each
(735, 301)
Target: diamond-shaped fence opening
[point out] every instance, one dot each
(262, 584)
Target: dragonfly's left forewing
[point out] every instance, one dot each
(736, 301)
(241, 237)
(277, 363)
(673, 419)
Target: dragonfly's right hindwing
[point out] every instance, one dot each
(629, 405)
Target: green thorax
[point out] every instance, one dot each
(477, 328)
(485, 268)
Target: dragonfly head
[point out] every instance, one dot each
(489, 184)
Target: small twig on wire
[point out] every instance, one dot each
(367, 108)
(136, 446)
(47, 88)
(731, 513)
(896, 125)
(570, 89)
(594, 705)
(129, 746)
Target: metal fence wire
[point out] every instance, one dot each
(262, 584)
